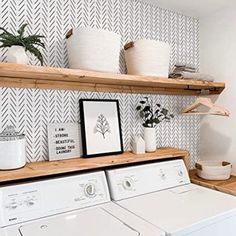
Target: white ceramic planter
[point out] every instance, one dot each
(150, 139)
(94, 49)
(17, 54)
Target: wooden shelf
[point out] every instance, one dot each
(46, 168)
(225, 186)
(25, 76)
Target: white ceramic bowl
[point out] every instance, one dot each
(214, 170)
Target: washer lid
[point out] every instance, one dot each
(90, 222)
(182, 209)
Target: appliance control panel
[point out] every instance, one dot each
(44, 198)
(137, 180)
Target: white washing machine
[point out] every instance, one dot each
(69, 206)
(161, 194)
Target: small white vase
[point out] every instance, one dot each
(150, 139)
(17, 54)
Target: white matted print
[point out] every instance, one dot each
(101, 128)
(63, 141)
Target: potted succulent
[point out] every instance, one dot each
(151, 116)
(19, 44)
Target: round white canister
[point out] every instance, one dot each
(12, 146)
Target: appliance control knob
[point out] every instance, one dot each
(180, 173)
(163, 176)
(128, 184)
(13, 206)
(30, 203)
(90, 190)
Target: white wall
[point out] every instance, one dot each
(218, 57)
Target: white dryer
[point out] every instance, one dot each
(77, 205)
(161, 194)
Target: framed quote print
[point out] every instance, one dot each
(100, 127)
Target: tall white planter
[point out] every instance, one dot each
(150, 139)
(17, 54)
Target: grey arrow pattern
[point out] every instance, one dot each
(30, 110)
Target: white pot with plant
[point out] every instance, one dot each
(151, 116)
(19, 44)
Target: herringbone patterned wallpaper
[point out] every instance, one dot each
(30, 110)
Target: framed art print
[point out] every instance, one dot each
(100, 127)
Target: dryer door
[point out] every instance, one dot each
(91, 222)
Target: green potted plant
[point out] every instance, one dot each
(151, 116)
(19, 44)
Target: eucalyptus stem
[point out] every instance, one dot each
(151, 115)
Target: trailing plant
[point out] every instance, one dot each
(152, 115)
(30, 42)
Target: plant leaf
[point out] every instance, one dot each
(147, 109)
(142, 114)
(164, 111)
(156, 120)
(21, 30)
(6, 32)
(34, 40)
(35, 52)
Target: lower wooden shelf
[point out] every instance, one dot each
(225, 186)
(46, 168)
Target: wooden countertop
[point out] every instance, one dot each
(46, 168)
(225, 186)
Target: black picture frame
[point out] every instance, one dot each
(84, 120)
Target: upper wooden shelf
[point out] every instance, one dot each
(25, 76)
(46, 168)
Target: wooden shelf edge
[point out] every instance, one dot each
(26, 76)
(46, 168)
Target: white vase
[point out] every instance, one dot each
(17, 54)
(150, 139)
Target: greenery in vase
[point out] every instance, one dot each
(30, 42)
(152, 115)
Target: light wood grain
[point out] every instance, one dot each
(25, 76)
(45, 168)
(225, 186)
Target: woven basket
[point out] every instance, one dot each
(147, 57)
(93, 49)
(214, 170)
